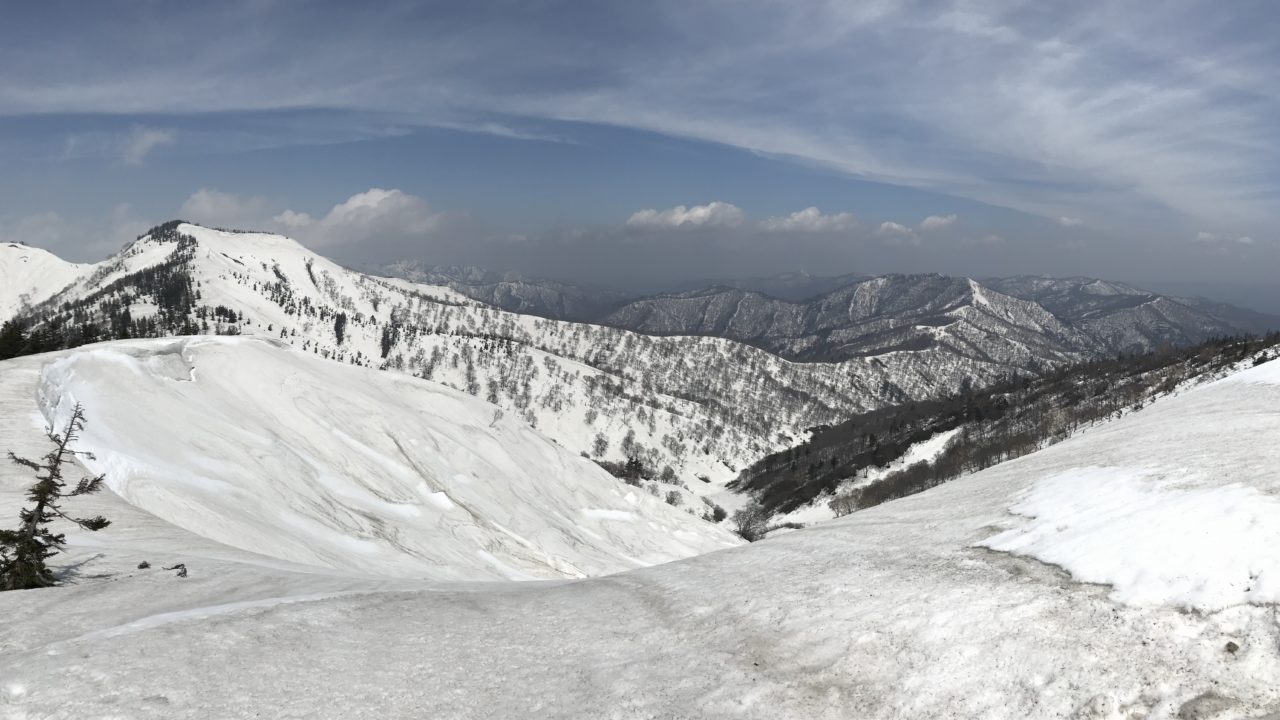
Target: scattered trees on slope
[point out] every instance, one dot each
(1002, 422)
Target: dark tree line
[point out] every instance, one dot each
(105, 314)
(1006, 420)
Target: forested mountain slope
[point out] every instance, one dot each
(1074, 315)
(868, 318)
(896, 451)
(1126, 318)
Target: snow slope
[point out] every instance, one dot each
(900, 611)
(30, 275)
(274, 451)
(704, 406)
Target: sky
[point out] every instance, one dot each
(654, 143)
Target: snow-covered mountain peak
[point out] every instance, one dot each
(247, 245)
(28, 275)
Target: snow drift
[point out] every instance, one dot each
(267, 449)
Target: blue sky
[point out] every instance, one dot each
(639, 143)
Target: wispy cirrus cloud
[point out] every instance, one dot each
(1210, 238)
(1095, 105)
(1124, 131)
(142, 140)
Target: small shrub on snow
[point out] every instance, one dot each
(751, 522)
(23, 552)
(844, 503)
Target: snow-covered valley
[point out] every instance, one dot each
(1127, 572)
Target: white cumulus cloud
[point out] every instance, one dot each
(76, 238)
(888, 228)
(712, 215)
(1065, 221)
(897, 233)
(209, 206)
(937, 222)
(371, 215)
(810, 219)
(375, 214)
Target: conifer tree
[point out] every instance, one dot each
(23, 552)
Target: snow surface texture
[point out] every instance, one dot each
(1153, 542)
(267, 449)
(894, 612)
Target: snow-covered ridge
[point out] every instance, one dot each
(29, 275)
(271, 450)
(703, 406)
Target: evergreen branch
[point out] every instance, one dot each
(92, 524)
(25, 462)
(87, 486)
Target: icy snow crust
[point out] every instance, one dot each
(895, 612)
(271, 450)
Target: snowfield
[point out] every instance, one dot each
(1128, 572)
(267, 449)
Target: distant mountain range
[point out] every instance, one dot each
(698, 380)
(810, 318)
(512, 291)
(793, 286)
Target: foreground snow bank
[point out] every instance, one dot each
(1155, 543)
(267, 449)
(894, 612)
